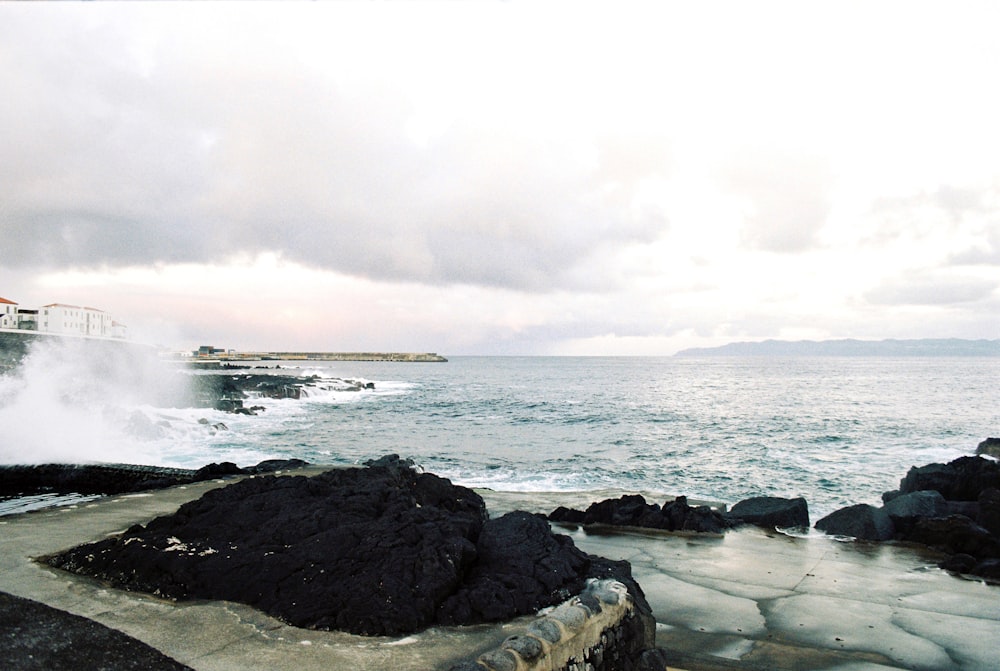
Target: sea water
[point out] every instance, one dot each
(836, 431)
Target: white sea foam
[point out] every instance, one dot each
(73, 401)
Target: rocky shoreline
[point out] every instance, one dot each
(953, 508)
(389, 550)
(229, 392)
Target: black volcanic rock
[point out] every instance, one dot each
(520, 567)
(771, 512)
(36, 636)
(24, 480)
(904, 510)
(632, 510)
(990, 447)
(861, 521)
(376, 550)
(955, 534)
(959, 480)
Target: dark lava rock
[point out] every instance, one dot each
(905, 509)
(376, 550)
(988, 568)
(989, 510)
(682, 516)
(632, 510)
(627, 510)
(990, 447)
(567, 515)
(34, 636)
(520, 567)
(955, 534)
(771, 512)
(25, 480)
(960, 480)
(861, 521)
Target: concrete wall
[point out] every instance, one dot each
(598, 630)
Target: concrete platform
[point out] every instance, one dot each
(747, 600)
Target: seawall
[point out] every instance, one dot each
(416, 357)
(14, 344)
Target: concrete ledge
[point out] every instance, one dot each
(597, 630)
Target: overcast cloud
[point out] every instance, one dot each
(515, 177)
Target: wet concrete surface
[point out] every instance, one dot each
(748, 599)
(766, 600)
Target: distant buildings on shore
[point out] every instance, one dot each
(60, 319)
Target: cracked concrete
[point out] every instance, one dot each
(748, 599)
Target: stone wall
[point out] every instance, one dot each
(599, 630)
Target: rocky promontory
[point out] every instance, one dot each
(229, 392)
(378, 550)
(106, 479)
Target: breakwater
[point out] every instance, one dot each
(15, 344)
(410, 357)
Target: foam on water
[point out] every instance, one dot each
(836, 431)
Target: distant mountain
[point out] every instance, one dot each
(887, 348)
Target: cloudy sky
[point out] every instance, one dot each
(504, 177)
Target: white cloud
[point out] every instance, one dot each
(515, 177)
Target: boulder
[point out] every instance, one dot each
(989, 510)
(861, 521)
(627, 510)
(959, 480)
(381, 550)
(988, 568)
(955, 534)
(678, 515)
(771, 512)
(567, 515)
(632, 510)
(989, 447)
(906, 508)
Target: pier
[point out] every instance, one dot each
(409, 357)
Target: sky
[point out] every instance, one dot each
(538, 178)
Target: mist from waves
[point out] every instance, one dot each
(76, 400)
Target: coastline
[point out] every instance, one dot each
(749, 599)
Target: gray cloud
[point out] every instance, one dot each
(110, 161)
(789, 195)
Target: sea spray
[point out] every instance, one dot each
(85, 400)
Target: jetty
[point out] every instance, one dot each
(231, 355)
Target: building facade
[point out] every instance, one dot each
(8, 314)
(61, 319)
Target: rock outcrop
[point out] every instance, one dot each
(632, 510)
(953, 508)
(771, 512)
(36, 636)
(860, 521)
(377, 550)
(25, 480)
(989, 447)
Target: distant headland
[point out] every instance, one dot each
(850, 347)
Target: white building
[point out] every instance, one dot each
(74, 320)
(61, 319)
(8, 314)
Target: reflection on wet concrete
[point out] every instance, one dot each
(777, 602)
(744, 600)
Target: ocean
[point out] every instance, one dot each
(834, 430)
